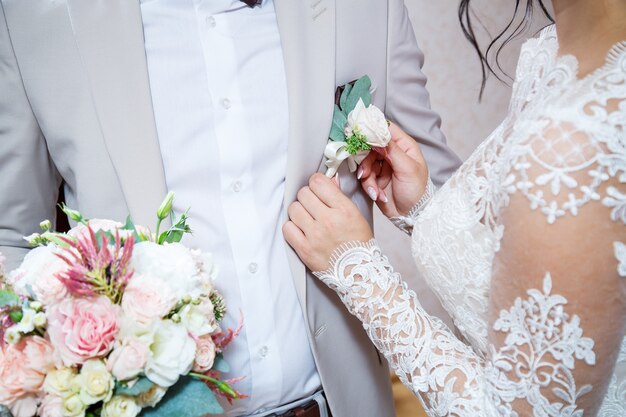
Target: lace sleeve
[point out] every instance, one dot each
(406, 223)
(557, 303)
(443, 371)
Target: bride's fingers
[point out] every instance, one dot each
(366, 166)
(300, 217)
(405, 143)
(326, 190)
(294, 236)
(311, 203)
(370, 186)
(384, 178)
(403, 164)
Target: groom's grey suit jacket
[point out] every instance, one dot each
(75, 106)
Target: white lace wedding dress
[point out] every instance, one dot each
(524, 246)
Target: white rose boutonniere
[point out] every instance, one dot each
(358, 127)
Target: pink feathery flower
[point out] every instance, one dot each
(97, 269)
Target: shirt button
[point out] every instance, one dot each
(264, 351)
(210, 22)
(237, 186)
(226, 103)
(253, 267)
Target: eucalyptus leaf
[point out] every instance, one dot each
(142, 386)
(344, 96)
(339, 123)
(361, 90)
(188, 398)
(220, 364)
(8, 299)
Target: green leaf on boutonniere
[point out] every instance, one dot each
(344, 96)
(360, 90)
(142, 386)
(339, 123)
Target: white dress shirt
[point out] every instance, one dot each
(220, 101)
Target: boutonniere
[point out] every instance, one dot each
(358, 127)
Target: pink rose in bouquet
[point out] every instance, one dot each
(23, 368)
(205, 354)
(83, 328)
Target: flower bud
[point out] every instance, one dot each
(186, 299)
(196, 301)
(166, 206)
(176, 318)
(73, 214)
(36, 305)
(45, 225)
(40, 320)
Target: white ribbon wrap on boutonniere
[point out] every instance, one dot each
(358, 126)
(337, 152)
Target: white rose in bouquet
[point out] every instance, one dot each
(148, 298)
(73, 406)
(121, 406)
(370, 122)
(36, 276)
(172, 263)
(61, 382)
(96, 383)
(172, 353)
(199, 319)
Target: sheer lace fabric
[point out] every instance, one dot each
(525, 247)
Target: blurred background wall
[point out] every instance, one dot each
(454, 77)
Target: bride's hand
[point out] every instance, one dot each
(321, 220)
(397, 179)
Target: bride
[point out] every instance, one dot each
(525, 245)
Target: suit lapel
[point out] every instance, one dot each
(307, 30)
(109, 35)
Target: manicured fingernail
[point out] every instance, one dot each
(372, 193)
(383, 197)
(359, 174)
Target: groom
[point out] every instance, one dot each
(229, 104)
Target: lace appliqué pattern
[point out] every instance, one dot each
(542, 345)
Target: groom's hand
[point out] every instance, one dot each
(397, 178)
(321, 220)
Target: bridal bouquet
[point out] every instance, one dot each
(112, 320)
